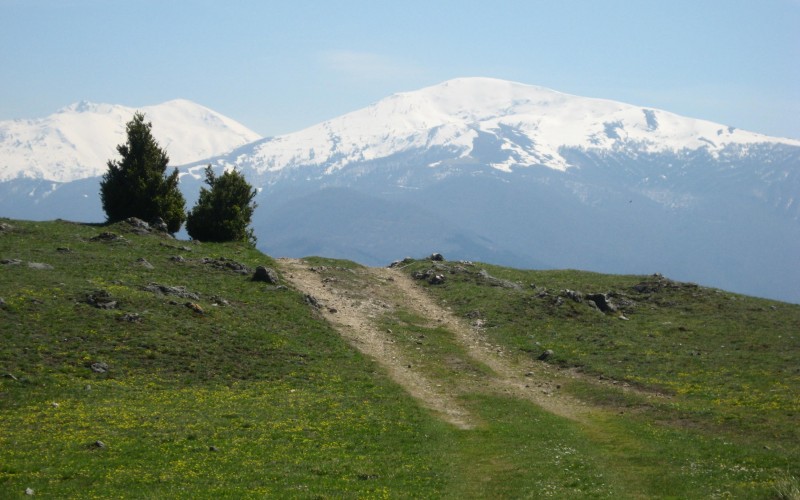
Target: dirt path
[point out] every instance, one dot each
(354, 311)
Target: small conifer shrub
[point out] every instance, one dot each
(223, 212)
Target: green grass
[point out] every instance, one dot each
(258, 397)
(289, 407)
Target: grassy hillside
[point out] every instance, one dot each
(135, 365)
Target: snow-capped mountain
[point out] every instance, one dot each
(527, 126)
(484, 169)
(78, 140)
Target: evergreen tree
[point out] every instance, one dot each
(224, 211)
(137, 185)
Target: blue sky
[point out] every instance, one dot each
(279, 66)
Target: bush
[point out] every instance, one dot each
(136, 185)
(223, 212)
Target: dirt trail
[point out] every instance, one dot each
(354, 311)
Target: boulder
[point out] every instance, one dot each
(266, 274)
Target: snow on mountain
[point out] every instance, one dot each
(77, 141)
(532, 124)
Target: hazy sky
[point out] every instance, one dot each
(279, 66)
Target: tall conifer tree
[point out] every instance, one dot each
(137, 184)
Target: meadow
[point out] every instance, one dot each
(139, 366)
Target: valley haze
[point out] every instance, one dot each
(475, 168)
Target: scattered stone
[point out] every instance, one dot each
(436, 279)
(29, 492)
(101, 299)
(623, 317)
(39, 265)
(431, 276)
(54, 404)
(2, 303)
(107, 236)
(99, 444)
(575, 295)
(484, 274)
(11, 262)
(546, 355)
(180, 291)
(177, 258)
(332, 310)
(312, 301)
(143, 262)
(436, 257)
(398, 263)
(213, 448)
(226, 264)
(195, 307)
(99, 367)
(11, 376)
(63, 250)
(266, 274)
(219, 301)
(130, 318)
(182, 248)
(5, 227)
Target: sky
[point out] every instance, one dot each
(280, 66)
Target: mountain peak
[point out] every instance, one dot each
(526, 126)
(78, 140)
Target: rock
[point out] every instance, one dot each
(143, 262)
(158, 224)
(139, 226)
(107, 236)
(602, 302)
(546, 355)
(437, 257)
(574, 295)
(10, 262)
(180, 291)
(2, 303)
(39, 265)
(398, 263)
(219, 301)
(484, 274)
(226, 264)
(29, 492)
(436, 279)
(195, 307)
(266, 274)
(99, 444)
(63, 250)
(312, 301)
(213, 448)
(99, 367)
(430, 275)
(177, 258)
(130, 318)
(5, 227)
(101, 299)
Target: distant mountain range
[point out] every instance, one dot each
(484, 169)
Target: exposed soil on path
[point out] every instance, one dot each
(354, 308)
